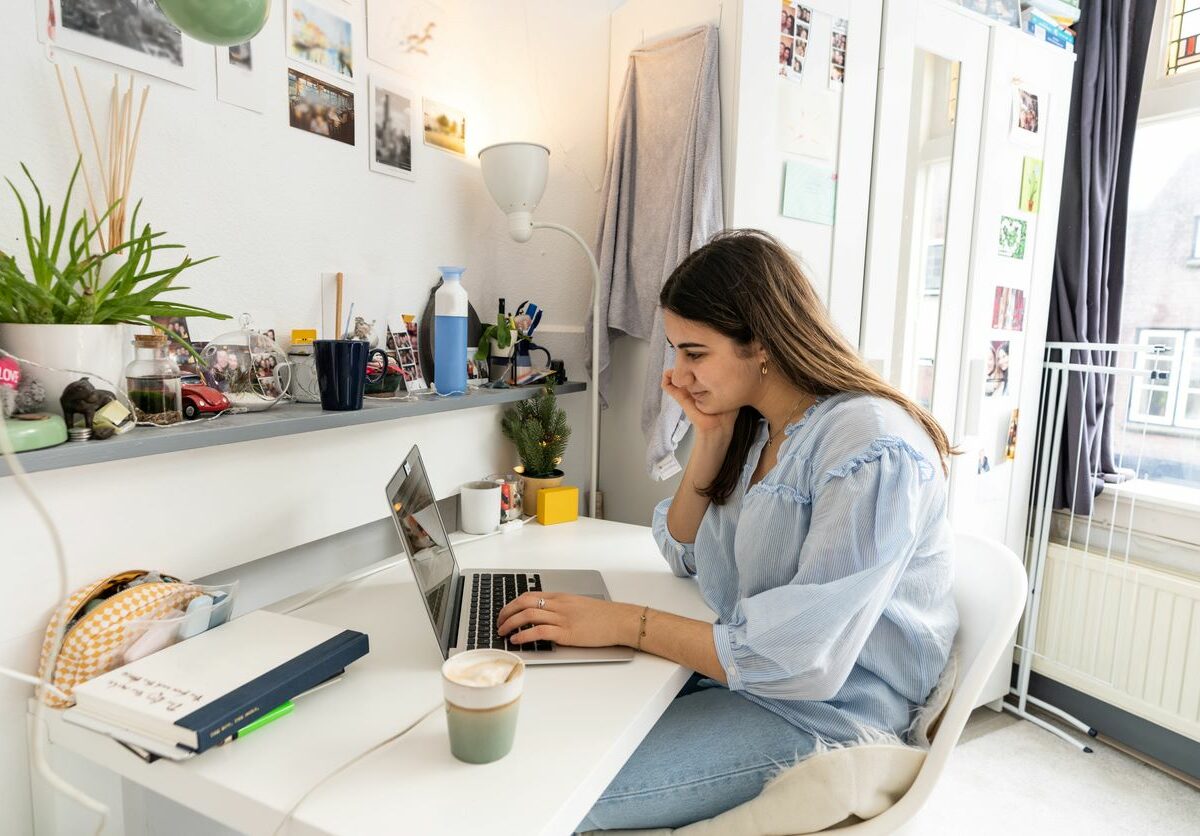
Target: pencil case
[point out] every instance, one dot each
(131, 612)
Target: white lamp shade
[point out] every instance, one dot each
(515, 174)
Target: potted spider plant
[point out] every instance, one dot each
(538, 428)
(67, 306)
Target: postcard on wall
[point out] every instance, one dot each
(401, 34)
(445, 127)
(1013, 236)
(1031, 185)
(320, 38)
(133, 35)
(1010, 446)
(320, 108)
(997, 368)
(808, 121)
(393, 123)
(1008, 309)
(241, 80)
(809, 192)
(1027, 109)
(837, 53)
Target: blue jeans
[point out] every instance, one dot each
(711, 750)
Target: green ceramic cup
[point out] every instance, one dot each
(481, 703)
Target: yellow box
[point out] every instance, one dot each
(558, 505)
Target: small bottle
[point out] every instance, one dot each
(152, 381)
(450, 333)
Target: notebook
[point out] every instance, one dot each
(197, 693)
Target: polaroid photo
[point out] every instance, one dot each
(1027, 108)
(241, 80)
(393, 125)
(996, 368)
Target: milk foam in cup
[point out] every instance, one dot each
(482, 702)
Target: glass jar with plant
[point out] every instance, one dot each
(69, 310)
(538, 427)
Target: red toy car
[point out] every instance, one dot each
(198, 399)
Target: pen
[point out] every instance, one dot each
(273, 714)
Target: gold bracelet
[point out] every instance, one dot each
(642, 629)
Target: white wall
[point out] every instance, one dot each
(279, 206)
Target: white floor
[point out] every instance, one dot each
(1009, 777)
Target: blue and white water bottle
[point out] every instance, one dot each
(450, 333)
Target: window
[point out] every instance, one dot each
(1183, 37)
(934, 255)
(1157, 421)
(1152, 398)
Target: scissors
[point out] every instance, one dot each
(533, 312)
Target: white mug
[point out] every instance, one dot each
(479, 507)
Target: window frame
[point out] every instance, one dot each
(1141, 385)
(1190, 355)
(1166, 95)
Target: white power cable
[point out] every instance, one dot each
(37, 742)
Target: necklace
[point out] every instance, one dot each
(771, 438)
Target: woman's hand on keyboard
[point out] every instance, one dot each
(574, 620)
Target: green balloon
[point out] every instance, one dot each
(218, 22)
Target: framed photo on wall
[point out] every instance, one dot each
(393, 112)
(135, 35)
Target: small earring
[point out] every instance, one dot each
(764, 368)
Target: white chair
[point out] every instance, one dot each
(989, 590)
(885, 784)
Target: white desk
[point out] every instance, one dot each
(578, 723)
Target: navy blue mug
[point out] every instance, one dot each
(342, 371)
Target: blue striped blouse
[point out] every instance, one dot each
(831, 577)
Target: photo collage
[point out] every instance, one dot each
(1014, 247)
(795, 21)
(402, 347)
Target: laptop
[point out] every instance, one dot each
(463, 605)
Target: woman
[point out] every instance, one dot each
(812, 513)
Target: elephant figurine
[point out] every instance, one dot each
(82, 398)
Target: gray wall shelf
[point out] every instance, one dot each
(283, 419)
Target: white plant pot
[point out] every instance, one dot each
(99, 351)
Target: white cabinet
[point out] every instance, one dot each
(961, 245)
(931, 86)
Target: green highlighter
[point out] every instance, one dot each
(270, 716)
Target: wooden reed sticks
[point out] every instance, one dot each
(115, 160)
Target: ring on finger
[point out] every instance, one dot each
(541, 603)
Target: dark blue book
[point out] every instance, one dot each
(199, 692)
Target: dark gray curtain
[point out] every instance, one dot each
(1111, 42)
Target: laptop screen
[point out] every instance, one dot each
(420, 527)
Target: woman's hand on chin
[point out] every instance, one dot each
(719, 425)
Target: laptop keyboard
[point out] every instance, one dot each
(489, 594)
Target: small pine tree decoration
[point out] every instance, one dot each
(539, 430)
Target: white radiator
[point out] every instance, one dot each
(1125, 633)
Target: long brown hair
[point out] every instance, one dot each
(745, 285)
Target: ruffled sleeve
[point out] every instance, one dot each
(799, 641)
(681, 557)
